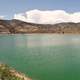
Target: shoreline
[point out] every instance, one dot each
(11, 73)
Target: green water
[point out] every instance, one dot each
(42, 56)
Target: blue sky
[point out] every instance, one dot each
(9, 7)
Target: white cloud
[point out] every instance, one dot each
(48, 17)
(1, 17)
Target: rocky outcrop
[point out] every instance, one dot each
(17, 26)
(7, 73)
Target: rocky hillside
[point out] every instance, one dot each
(7, 73)
(16, 26)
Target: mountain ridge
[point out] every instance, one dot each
(20, 27)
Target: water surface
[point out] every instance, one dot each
(43, 56)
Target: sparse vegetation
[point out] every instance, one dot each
(7, 73)
(20, 27)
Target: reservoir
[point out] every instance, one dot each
(42, 56)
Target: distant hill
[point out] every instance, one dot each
(20, 27)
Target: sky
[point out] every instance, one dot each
(41, 11)
(10, 7)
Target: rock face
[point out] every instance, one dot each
(7, 73)
(17, 26)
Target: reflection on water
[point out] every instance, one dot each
(45, 40)
(43, 56)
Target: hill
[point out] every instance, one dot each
(20, 27)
